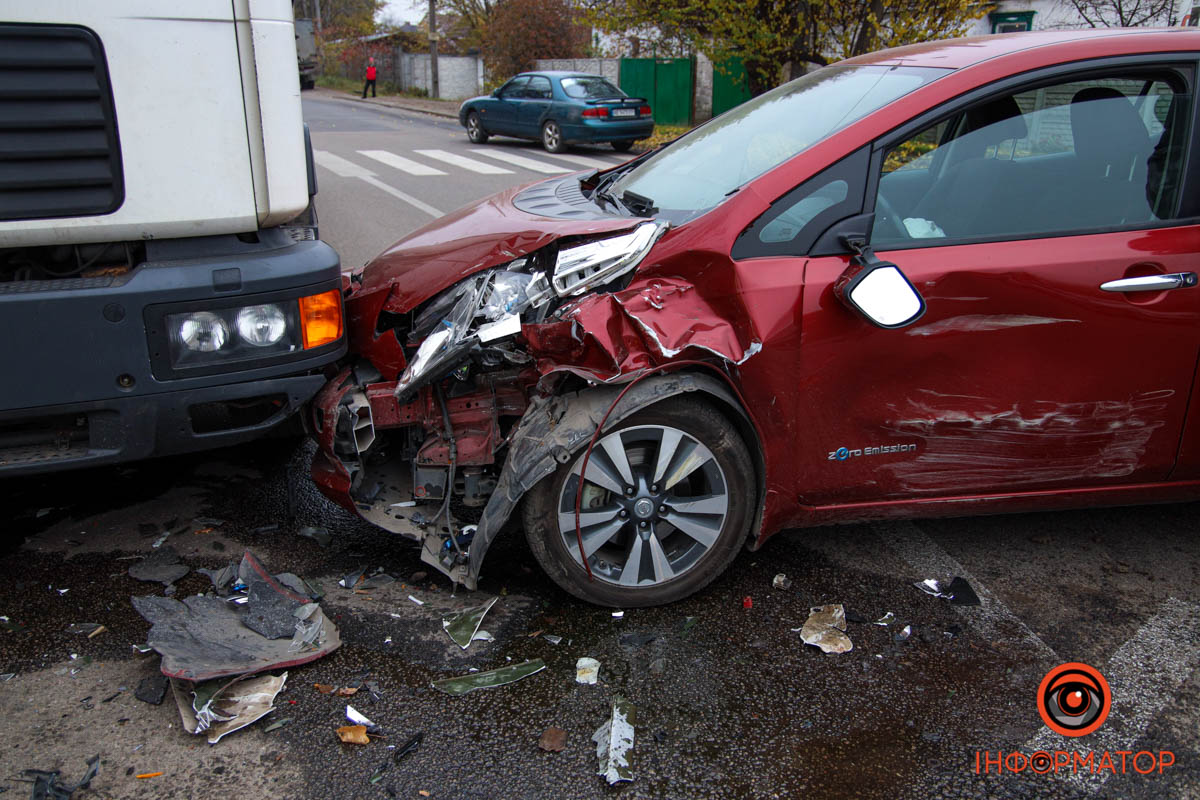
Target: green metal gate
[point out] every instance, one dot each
(665, 82)
(730, 87)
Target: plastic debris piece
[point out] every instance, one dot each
(618, 614)
(423, 793)
(747, 602)
(553, 740)
(357, 718)
(203, 637)
(885, 620)
(146, 775)
(321, 536)
(636, 639)
(552, 639)
(353, 734)
(490, 679)
(346, 691)
(142, 649)
(161, 567)
(958, 591)
(310, 629)
(83, 627)
(221, 707)
(904, 633)
(277, 724)
(483, 636)
(614, 741)
(415, 600)
(7, 676)
(409, 746)
(323, 688)
(375, 582)
(826, 628)
(462, 626)
(688, 624)
(152, 690)
(587, 670)
(99, 630)
(781, 581)
(47, 787)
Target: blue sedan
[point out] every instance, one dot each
(558, 108)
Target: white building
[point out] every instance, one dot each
(1010, 16)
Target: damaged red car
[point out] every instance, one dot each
(947, 279)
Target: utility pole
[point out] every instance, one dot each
(433, 42)
(318, 18)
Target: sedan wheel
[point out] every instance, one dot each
(475, 131)
(667, 501)
(552, 137)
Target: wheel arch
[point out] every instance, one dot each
(553, 429)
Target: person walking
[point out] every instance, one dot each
(370, 78)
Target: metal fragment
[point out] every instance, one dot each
(492, 678)
(614, 741)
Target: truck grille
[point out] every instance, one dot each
(59, 152)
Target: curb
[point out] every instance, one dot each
(387, 102)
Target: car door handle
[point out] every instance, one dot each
(1152, 283)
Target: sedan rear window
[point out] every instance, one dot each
(590, 88)
(699, 170)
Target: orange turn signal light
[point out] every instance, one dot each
(321, 318)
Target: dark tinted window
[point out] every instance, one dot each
(539, 88)
(1074, 156)
(514, 87)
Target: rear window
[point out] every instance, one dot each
(590, 88)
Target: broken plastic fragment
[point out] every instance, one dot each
(587, 670)
(221, 707)
(152, 690)
(825, 628)
(958, 591)
(352, 578)
(904, 633)
(161, 567)
(487, 680)
(885, 620)
(415, 600)
(46, 785)
(357, 718)
(321, 536)
(353, 734)
(277, 724)
(462, 626)
(614, 741)
(84, 627)
(552, 639)
(618, 614)
(483, 636)
(782, 581)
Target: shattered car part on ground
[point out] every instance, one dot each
(463, 626)
(220, 707)
(958, 591)
(492, 678)
(614, 743)
(826, 628)
(205, 637)
(46, 785)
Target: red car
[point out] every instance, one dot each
(946, 279)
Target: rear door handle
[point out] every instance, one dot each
(1152, 283)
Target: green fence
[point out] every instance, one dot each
(730, 87)
(665, 82)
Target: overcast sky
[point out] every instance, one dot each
(406, 10)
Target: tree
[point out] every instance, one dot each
(1124, 13)
(476, 15)
(522, 31)
(780, 39)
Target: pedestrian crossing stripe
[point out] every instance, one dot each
(521, 161)
(401, 163)
(345, 168)
(466, 163)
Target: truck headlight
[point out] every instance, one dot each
(202, 331)
(261, 326)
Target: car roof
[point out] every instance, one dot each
(559, 73)
(968, 51)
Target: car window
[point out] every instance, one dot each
(539, 88)
(1069, 157)
(590, 88)
(514, 87)
(702, 168)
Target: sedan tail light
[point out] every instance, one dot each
(595, 112)
(644, 111)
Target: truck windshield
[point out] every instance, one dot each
(698, 171)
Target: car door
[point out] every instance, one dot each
(501, 116)
(533, 106)
(1046, 228)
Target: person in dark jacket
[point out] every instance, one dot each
(370, 78)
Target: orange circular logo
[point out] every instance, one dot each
(1074, 699)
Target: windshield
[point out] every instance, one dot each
(697, 172)
(590, 87)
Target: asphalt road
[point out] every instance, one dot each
(729, 704)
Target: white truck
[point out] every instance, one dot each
(162, 285)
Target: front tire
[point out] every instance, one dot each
(552, 138)
(475, 131)
(692, 503)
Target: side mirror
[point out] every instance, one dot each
(879, 291)
(495, 92)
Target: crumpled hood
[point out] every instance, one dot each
(484, 234)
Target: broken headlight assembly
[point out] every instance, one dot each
(487, 307)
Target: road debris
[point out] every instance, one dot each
(355, 716)
(321, 536)
(205, 637)
(146, 775)
(462, 626)
(409, 746)
(958, 591)
(277, 724)
(47, 787)
(614, 741)
(492, 678)
(885, 620)
(376, 581)
(747, 602)
(553, 740)
(222, 579)
(220, 707)
(904, 633)
(781, 581)
(636, 639)
(353, 734)
(618, 614)
(552, 639)
(161, 567)
(152, 690)
(826, 628)
(415, 600)
(587, 670)
(353, 578)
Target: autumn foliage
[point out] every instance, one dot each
(521, 31)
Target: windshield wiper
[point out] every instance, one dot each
(638, 204)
